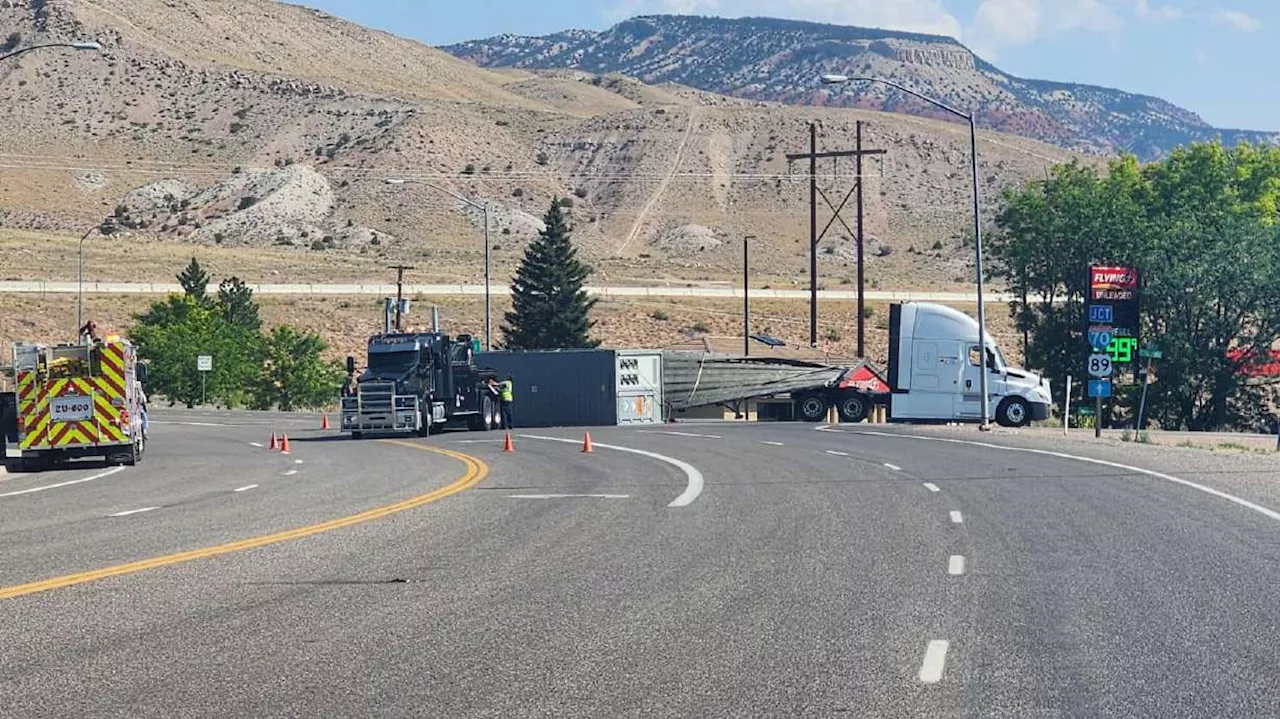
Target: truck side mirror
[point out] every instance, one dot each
(351, 364)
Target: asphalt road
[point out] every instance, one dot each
(808, 573)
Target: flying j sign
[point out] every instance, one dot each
(1111, 320)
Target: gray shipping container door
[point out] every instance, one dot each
(558, 388)
(639, 387)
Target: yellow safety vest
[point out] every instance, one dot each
(506, 392)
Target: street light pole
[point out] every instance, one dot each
(977, 216)
(80, 281)
(488, 315)
(488, 311)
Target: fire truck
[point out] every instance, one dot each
(76, 400)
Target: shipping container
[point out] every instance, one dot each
(581, 388)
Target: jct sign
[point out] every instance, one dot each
(1113, 311)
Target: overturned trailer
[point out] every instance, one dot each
(699, 379)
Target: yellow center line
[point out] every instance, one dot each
(476, 471)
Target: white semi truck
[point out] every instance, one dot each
(935, 371)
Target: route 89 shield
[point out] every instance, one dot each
(1100, 365)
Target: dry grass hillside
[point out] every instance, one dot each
(248, 125)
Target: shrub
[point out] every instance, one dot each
(832, 334)
(937, 244)
(581, 192)
(518, 192)
(700, 327)
(543, 159)
(659, 315)
(470, 169)
(246, 202)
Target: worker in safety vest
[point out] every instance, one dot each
(506, 398)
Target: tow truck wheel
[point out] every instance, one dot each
(812, 407)
(1013, 412)
(853, 407)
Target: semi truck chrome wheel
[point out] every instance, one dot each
(1013, 412)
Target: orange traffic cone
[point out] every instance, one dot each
(324, 422)
(508, 445)
(284, 444)
(586, 443)
(273, 444)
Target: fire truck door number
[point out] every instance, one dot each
(71, 409)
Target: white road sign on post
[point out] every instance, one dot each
(1100, 365)
(204, 364)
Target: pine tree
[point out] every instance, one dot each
(235, 300)
(195, 281)
(550, 310)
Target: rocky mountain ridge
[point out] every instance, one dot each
(781, 61)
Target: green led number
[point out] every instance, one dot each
(1121, 349)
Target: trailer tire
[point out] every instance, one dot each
(853, 406)
(811, 407)
(1013, 412)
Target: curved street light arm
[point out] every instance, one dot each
(437, 188)
(72, 45)
(913, 93)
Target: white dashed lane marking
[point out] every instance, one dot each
(931, 487)
(133, 511)
(247, 488)
(955, 565)
(935, 660)
(838, 454)
(956, 517)
(894, 467)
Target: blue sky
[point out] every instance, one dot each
(1218, 58)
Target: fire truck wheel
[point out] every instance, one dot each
(135, 454)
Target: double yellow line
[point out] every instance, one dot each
(476, 471)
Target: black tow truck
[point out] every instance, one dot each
(418, 383)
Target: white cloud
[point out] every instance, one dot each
(1159, 13)
(1002, 23)
(1242, 21)
(926, 16)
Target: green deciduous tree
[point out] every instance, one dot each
(175, 332)
(1202, 228)
(194, 281)
(293, 374)
(550, 309)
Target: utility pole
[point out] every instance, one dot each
(862, 346)
(815, 236)
(746, 298)
(399, 291)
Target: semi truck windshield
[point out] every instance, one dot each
(392, 362)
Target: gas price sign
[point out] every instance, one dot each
(1111, 320)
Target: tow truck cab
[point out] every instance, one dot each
(935, 371)
(418, 382)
